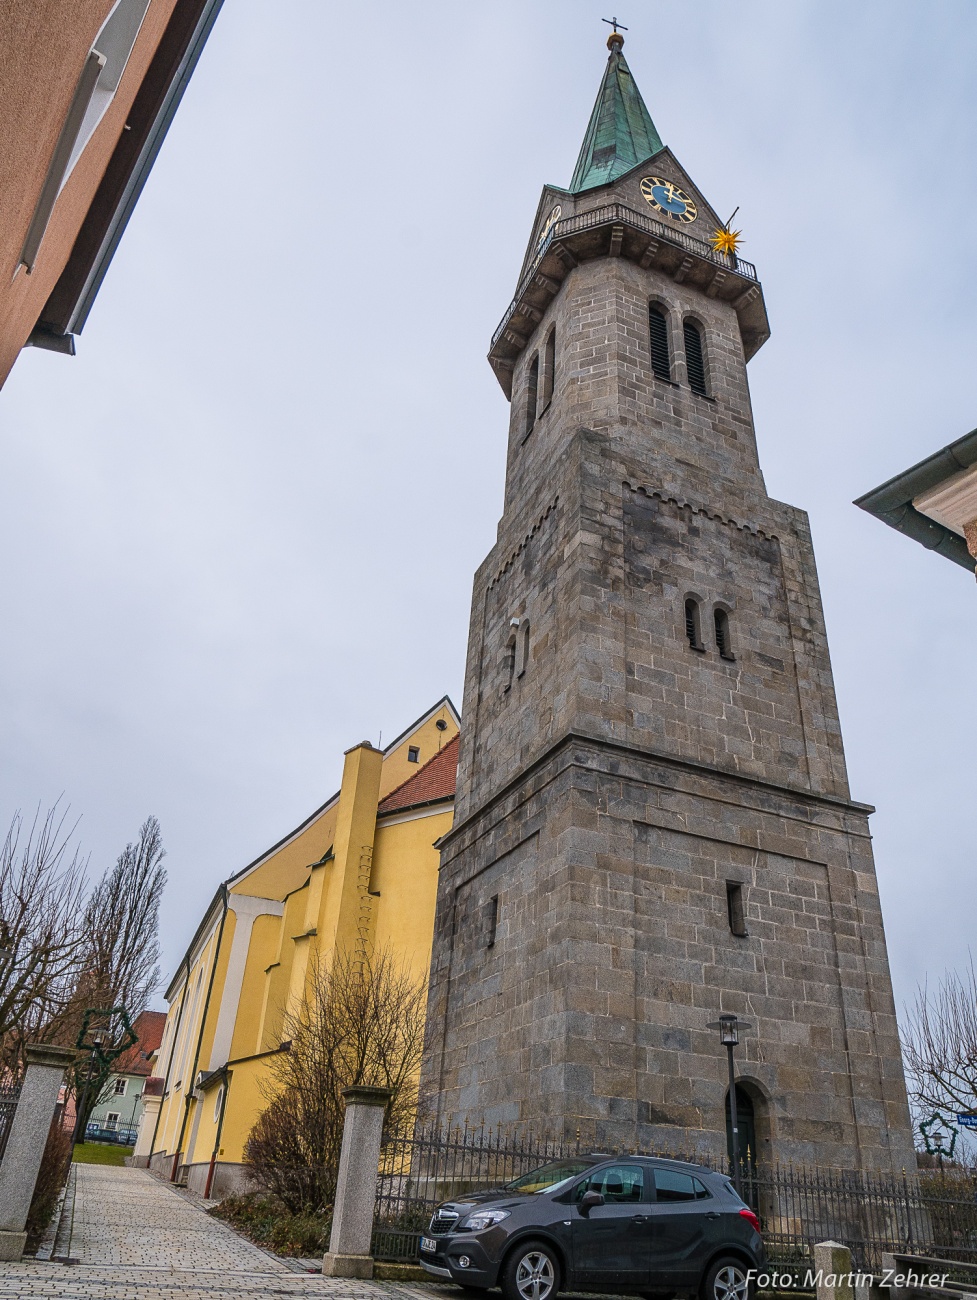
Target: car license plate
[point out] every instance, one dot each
(429, 1245)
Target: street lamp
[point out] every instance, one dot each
(730, 1027)
(98, 1038)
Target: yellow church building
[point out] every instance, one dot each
(360, 872)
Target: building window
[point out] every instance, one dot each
(695, 359)
(413, 754)
(532, 394)
(735, 907)
(524, 647)
(218, 1103)
(723, 642)
(549, 370)
(492, 918)
(661, 359)
(509, 657)
(693, 629)
(112, 1119)
(119, 1089)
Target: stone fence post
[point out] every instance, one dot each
(356, 1187)
(27, 1139)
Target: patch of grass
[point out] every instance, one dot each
(266, 1221)
(100, 1153)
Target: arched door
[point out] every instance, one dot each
(746, 1123)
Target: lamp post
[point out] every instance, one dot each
(730, 1027)
(98, 1038)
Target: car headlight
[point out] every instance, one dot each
(484, 1219)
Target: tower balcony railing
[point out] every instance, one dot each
(621, 214)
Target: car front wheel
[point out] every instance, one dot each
(726, 1279)
(532, 1272)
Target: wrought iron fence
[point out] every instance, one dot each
(421, 1169)
(9, 1095)
(928, 1213)
(874, 1214)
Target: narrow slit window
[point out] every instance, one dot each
(510, 662)
(735, 907)
(695, 359)
(413, 754)
(549, 370)
(693, 629)
(532, 394)
(524, 648)
(661, 359)
(492, 919)
(723, 642)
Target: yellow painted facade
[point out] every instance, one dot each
(358, 874)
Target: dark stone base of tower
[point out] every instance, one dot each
(653, 821)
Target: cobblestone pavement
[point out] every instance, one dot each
(131, 1237)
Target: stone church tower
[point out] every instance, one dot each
(653, 822)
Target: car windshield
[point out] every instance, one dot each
(549, 1177)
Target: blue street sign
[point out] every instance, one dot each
(967, 1121)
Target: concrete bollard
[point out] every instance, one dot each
(356, 1187)
(27, 1139)
(833, 1271)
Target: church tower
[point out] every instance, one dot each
(653, 822)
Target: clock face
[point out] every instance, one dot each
(667, 198)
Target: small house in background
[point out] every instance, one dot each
(116, 1117)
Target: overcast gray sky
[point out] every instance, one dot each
(240, 527)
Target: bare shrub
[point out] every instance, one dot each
(51, 1177)
(362, 1023)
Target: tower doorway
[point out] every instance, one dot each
(746, 1123)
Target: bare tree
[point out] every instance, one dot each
(121, 924)
(119, 959)
(42, 885)
(940, 1044)
(362, 1023)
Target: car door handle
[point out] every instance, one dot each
(713, 1214)
(640, 1218)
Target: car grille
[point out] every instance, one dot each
(442, 1222)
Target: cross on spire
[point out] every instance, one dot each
(613, 22)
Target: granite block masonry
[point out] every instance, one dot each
(26, 1141)
(356, 1184)
(653, 819)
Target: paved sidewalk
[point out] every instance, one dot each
(135, 1238)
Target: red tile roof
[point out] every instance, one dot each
(435, 781)
(149, 1026)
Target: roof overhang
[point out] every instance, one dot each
(157, 99)
(932, 501)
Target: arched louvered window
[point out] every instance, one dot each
(532, 394)
(695, 358)
(693, 630)
(549, 370)
(661, 357)
(723, 641)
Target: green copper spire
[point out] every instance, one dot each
(621, 133)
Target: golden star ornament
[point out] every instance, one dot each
(726, 241)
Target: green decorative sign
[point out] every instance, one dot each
(939, 1135)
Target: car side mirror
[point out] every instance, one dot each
(588, 1201)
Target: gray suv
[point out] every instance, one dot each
(627, 1223)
